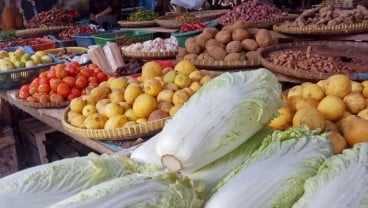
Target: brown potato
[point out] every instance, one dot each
(234, 47)
(263, 38)
(193, 48)
(191, 57)
(217, 53)
(249, 45)
(235, 57)
(201, 40)
(238, 25)
(213, 42)
(252, 55)
(189, 41)
(223, 36)
(228, 28)
(205, 57)
(252, 31)
(182, 52)
(210, 30)
(240, 34)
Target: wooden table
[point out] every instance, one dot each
(101, 147)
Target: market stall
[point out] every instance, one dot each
(181, 110)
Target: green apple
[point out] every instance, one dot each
(6, 65)
(14, 59)
(40, 53)
(36, 59)
(3, 54)
(19, 52)
(26, 57)
(46, 59)
(19, 64)
(30, 63)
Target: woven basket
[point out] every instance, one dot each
(135, 24)
(267, 23)
(339, 48)
(131, 132)
(41, 105)
(345, 3)
(170, 21)
(226, 65)
(37, 32)
(343, 29)
(150, 55)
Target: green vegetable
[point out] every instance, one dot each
(43, 185)
(142, 15)
(212, 173)
(221, 116)
(341, 182)
(159, 190)
(275, 174)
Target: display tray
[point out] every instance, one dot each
(150, 55)
(266, 23)
(344, 29)
(170, 21)
(225, 65)
(41, 105)
(344, 54)
(131, 132)
(134, 24)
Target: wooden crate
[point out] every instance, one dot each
(33, 134)
(8, 153)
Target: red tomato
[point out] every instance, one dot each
(72, 70)
(54, 83)
(31, 99)
(33, 90)
(86, 71)
(59, 66)
(81, 82)
(74, 64)
(93, 79)
(51, 73)
(24, 88)
(75, 92)
(71, 97)
(93, 84)
(69, 80)
(56, 98)
(44, 81)
(60, 73)
(35, 82)
(52, 91)
(43, 75)
(93, 66)
(24, 94)
(43, 88)
(63, 89)
(101, 76)
(44, 98)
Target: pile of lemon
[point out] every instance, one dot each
(337, 105)
(124, 101)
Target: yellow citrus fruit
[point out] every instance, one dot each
(152, 86)
(116, 121)
(89, 110)
(131, 92)
(143, 105)
(113, 109)
(182, 81)
(338, 85)
(151, 69)
(312, 91)
(180, 97)
(331, 107)
(77, 105)
(185, 67)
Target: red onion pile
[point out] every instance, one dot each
(251, 11)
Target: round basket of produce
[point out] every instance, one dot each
(233, 47)
(315, 60)
(152, 49)
(255, 14)
(45, 103)
(129, 107)
(177, 20)
(327, 20)
(140, 18)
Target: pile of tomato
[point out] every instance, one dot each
(62, 82)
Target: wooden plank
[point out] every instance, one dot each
(56, 124)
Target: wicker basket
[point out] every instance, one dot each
(150, 55)
(170, 21)
(267, 23)
(225, 65)
(338, 48)
(37, 32)
(41, 105)
(343, 29)
(134, 24)
(131, 132)
(345, 3)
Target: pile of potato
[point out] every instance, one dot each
(232, 43)
(336, 105)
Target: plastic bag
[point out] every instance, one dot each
(188, 4)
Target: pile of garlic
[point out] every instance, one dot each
(156, 45)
